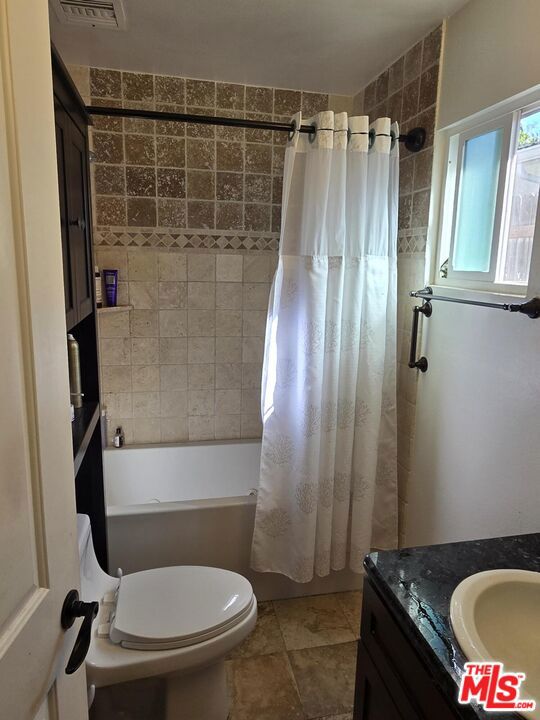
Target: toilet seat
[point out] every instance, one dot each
(175, 607)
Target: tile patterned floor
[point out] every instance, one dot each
(299, 663)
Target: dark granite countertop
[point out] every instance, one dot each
(417, 584)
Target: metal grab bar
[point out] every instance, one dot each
(531, 308)
(422, 363)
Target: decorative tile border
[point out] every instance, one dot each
(412, 241)
(186, 239)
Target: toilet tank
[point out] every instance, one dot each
(94, 581)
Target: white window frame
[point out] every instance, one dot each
(451, 142)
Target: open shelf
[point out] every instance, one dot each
(116, 308)
(82, 428)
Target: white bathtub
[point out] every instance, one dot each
(190, 504)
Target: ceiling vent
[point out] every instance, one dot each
(107, 14)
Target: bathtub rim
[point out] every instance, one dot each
(175, 505)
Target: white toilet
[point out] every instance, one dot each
(176, 622)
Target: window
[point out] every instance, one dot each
(490, 201)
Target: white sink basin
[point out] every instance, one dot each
(495, 616)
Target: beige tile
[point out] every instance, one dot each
(140, 149)
(201, 428)
(265, 639)
(112, 259)
(228, 350)
(174, 429)
(201, 267)
(118, 404)
(201, 295)
(146, 430)
(351, 604)
(228, 375)
(251, 375)
(228, 402)
(255, 296)
(201, 402)
(145, 377)
(143, 295)
(144, 351)
(201, 377)
(256, 268)
(141, 212)
(115, 379)
(114, 324)
(310, 621)
(254, 323)
(173, 377)
(173, 323)
(173, 351)
(229, 268)
(172, 295)
(146, 404)
(201, 350)
(228, 323)
(252, 349)
(227, 427)
(201, 323)
(172, 266)
(171, 213)
(174, 403)
(228, 296)
(325, 678)
(251, 401)
(263, 688)
(142, 265)
(251, 426)
(115, 351)
(144, 323)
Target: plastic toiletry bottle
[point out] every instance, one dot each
(74, 363)
(99, 292)
(111, 286)
(118, 439)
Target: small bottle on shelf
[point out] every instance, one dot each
(118, 439)
(99, 290)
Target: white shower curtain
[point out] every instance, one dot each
(328, 487)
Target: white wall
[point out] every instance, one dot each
(492, 52)
(476, 461)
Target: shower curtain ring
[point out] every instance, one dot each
(312, 133)
(393, 139)
(292, 130)
(371, 135)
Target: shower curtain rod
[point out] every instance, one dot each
(414, 140)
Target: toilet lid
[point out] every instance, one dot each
(173, 607)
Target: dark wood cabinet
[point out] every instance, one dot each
(72, 154)
(392, 682)
(72, 122)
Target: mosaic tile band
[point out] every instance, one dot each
(186, 239)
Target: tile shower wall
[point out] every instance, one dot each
(189, 215)
(407, 92)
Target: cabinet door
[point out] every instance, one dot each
(78, 213)
(372, 700)
(62, 122)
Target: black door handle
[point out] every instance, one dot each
(71, 609)
(422, 363)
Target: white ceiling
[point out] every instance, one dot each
(334, 46)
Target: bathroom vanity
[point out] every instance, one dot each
(409, 661)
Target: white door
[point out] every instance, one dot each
(38, 547)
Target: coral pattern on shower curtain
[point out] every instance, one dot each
(328, 484)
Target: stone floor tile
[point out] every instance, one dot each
(263, 688)
(265, 639)
(325, 678)
(312, 621)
